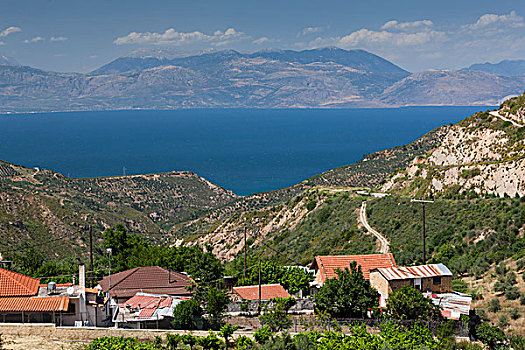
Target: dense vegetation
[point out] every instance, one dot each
(330, 229)
(467, 235)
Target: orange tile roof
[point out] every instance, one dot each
(327, 265)
(268, 291)
(149, 279)
(32, 304)
(15, 284)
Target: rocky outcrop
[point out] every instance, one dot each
(484, 154)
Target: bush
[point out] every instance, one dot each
(515, 313)
(243, 343)
(187, 315)
(263, 335)
(105, 343)
(494, 305)
(490, 335)
(503, 321)
(522, 299)
(512, 293)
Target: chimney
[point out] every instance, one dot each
(82, 278)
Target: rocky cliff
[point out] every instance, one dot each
(483, 154)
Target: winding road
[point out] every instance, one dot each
(496, 114)
(384, 242)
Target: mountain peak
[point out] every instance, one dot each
(8, 61)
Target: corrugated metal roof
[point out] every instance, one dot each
(268, 291)
(15, 284)
(328, 265)
(411, 272)
(32, 304)
(454, 303)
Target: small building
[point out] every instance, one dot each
(147, 311)
(124, 285)
(24, 300)
(268, 291)
(325, 267)
(434, 278)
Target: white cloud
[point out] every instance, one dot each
(34, 40)
(58, 38)
(172, 37)
(512, 20)
(310, 30)
(93, 56)
(395, 25)
(366, 37)
(9, 30)
(261, 40)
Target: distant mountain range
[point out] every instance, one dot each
(319, 78)
(507, 67)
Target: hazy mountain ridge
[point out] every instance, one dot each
(506, 67)
(321, 78)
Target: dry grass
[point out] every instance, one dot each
(38, 343)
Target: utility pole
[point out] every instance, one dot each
(91, 255)
(245, 253)
(422, 201)
(260, 284)
(109, 251)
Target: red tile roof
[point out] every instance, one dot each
(15, 284)
(32, 304)
(150, 279)
(268, 291)
(327, 265)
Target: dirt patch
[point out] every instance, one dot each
(12, 342)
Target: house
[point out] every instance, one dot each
(124, 285)
(268, 291)
(325, 267)
(145, 310)
(24, 300)
(435, 278)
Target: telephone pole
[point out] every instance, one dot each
(260, 284)
(91, 255)
(423, 202)
(245, 253)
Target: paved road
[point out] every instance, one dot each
(496, 114)
(384, 242)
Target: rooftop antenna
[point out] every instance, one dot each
(423, 202)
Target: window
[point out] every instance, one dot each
(437, 280)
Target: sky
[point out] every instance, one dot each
(79, 36)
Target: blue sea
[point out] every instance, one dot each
(243, 150)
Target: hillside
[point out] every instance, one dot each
(483, 154)
(319, 78)
(38, 206)
(460, 88)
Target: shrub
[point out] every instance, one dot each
(263, 335)
(515, 313)
(227, 332)
(512, 293)
(490, 335)
(243, 343)
(105, 343)
(522, 299)
(503, 321)
(187, 315)
(172, 341)
(494, 305)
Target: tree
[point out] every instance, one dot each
(275, 314)
(349, 295)
(187, 314)
(494, 305)
(215, 302)
(263, 335)
(409, 304)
